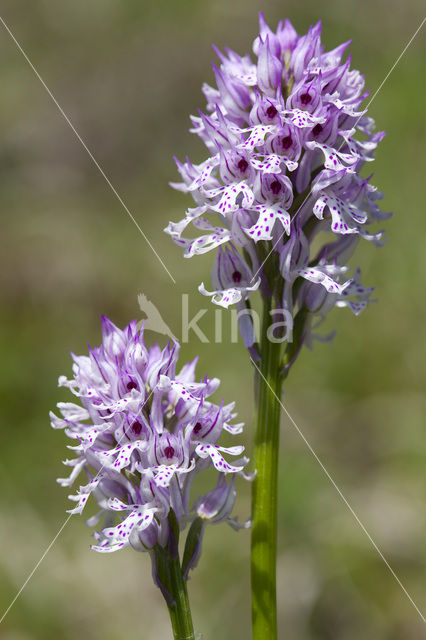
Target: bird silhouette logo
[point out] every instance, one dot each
(153, 321)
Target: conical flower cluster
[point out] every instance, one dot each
(287, 138)
(143, 431)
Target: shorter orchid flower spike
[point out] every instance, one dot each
(142, 432)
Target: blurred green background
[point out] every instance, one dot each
(128, 74)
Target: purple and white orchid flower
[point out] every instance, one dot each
(142, 433)
(287, 138)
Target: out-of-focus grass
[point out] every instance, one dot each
(128, 75)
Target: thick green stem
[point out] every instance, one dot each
(169, 577)
(180, 612)
(264, 493)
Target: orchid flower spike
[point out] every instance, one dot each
(287, 139)
(142, 431)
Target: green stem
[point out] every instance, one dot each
(264, 492)
(180, 612)
(169, 577)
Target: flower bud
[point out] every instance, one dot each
(269, 69)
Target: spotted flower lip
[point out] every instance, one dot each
(141, 435)
(287, 138)
(231, 277)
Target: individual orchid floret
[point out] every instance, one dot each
(287, 139)
(231, 277)
(142, 433)
(317, 302)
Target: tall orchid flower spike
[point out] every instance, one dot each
(287, 139)
(142, 432)
(282, 201)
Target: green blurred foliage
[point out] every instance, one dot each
(128, 75)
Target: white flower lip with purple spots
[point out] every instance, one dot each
(231, 277)
(143, 433)
(287, 139)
